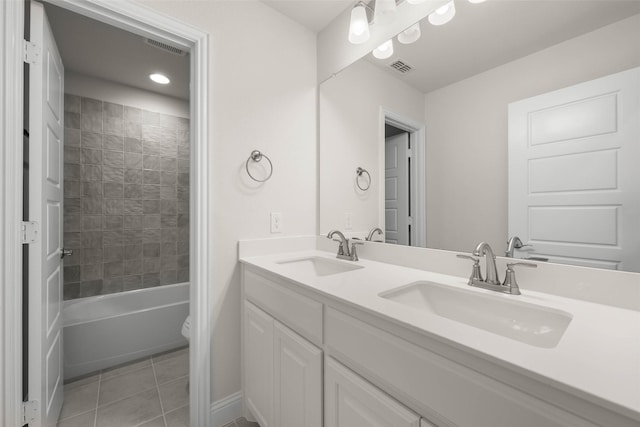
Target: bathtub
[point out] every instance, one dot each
(107, 330)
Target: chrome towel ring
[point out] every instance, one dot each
(257, 156)
(360, 171)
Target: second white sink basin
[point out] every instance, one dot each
(528, 323)
(318, 266)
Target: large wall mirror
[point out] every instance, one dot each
(430, 125)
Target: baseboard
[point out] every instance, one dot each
(225, 410)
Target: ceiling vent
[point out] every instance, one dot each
(400, 66)
(167, 48)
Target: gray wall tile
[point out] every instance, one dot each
(123, 200)
(113, 142)
(72, 137)
(91, 115)
(113, 222)
(133, 161)
(133, 176)
(113, 158)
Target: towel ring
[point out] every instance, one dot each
(359, 173)
(257, 156)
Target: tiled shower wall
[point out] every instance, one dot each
(126, 198)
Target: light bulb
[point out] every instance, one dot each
(384, 51)
(477, 1)
(417, 1)
(385, 11)
(410, 35)
(359, 25)
(443, 14)
(160, 78)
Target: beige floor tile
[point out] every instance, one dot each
(119, 387)
(178, 418)
(170, 354)
(156, 422)
(124, 369)
(242, 422)
(130, 412)
(83, 420)
(174, 394)
(80, 399)
(172, 368)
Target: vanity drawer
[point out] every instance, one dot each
(298, 312)
(432, 385)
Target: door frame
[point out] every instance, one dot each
(140, 20)
(417, 138)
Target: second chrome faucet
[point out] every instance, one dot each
(509, 286)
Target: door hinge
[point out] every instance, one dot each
(31, 52)
(30, 411)
(29, 230)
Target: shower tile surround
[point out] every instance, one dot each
(126, 198)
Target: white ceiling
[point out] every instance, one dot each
(312, 14)
(483, 36)
(100, 50)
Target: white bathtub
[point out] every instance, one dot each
(104, 331)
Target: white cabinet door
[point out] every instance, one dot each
(351, 401)
(298, 380)
(258, 364)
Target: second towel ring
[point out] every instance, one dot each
(359, 173)
(257, 156)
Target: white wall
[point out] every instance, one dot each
(352, 135)
(467, 131)
(105, 90)
(263, 96)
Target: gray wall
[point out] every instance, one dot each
(126, 198)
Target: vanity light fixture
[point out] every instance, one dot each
(476, 1)
(159, 78)
(415, 1)
(384, 51)
(359, 24)
(443, 14)
(385, 12)
(410, 35)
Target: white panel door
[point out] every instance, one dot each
(46, 113)
(258, 364)
(396, 189)
(351, 401)
(574, 180)
(298, 380)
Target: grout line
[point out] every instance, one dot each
(95, 418)
(155, 377)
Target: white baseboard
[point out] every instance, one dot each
(225, 410)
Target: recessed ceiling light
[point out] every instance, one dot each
(159, 78)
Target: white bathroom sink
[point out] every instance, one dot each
(500, 314)
(318, 266)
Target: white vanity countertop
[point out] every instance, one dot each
(597, 358)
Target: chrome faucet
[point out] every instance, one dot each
(343, 250)
(483, 249)
(372, 232)
(512, 244)
(509, 286)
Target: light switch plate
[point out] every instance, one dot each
(348, 220)
(276, 222)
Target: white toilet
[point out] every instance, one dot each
(185, 327)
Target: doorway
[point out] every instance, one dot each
(404, 158)
(145, 22)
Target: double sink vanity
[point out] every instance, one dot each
(399, 338)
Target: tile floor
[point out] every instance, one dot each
(148, 393)
(241, 422)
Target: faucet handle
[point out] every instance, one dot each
(354, 253)
(510, 277)
(476, 274)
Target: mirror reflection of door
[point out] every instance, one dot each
(397, 170)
